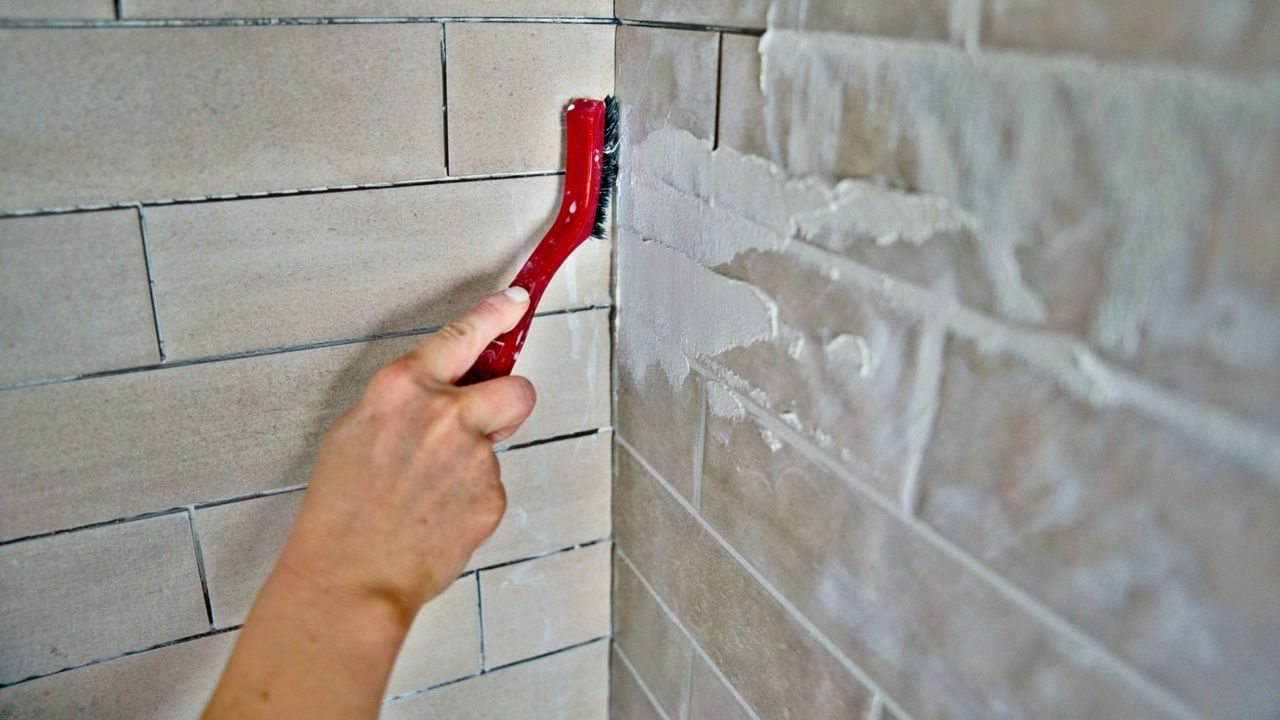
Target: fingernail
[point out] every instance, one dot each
(516, 294)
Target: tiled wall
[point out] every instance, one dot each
(948, 360)
(216, 220)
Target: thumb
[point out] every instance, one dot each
(450, 352)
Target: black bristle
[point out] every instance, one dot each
(609, 165)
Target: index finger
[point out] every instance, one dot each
(451, 351)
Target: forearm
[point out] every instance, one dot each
(307, 650)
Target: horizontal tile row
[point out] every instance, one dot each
(140, 442)
(97, 116)
(364, 8)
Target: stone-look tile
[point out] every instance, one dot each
(239, 543)
(139, 442)
(252, 274)
(73, 296)
(509, 85)
(1144, 537)
(569, 684)
(739, 13)
(923, 19)
(541, 605)
(1235, 34)
(557, 497)
(223, 109)
(171, 682)
(58, 9)
(93, 594)
(659, 415)
(779, 668)
(1070, 171)
(667, 78)
(657, 649)
(709, 697)
(741, 100)
(443, 643)
(365, 8)
(627, 700)
(936, 638)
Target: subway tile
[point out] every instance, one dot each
(557, 497)
(709, 697)
(569, 684)
(627, 700)
(781, 670)
(365, 8)
(935, 637)
(444, 642)
(58, 9)
(738, 13)
(223, 109)
(667, 78)
(658, 651)
(1141, 535)
(541, 605)
(93, 594)
(508, 87)
(742, 122)
(252, 274)
(141, 442)
(73, 296)
(239, 543)
(170, 682)
(923, 19)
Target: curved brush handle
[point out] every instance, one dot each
(584, 128)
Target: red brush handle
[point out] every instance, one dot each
(584, 130)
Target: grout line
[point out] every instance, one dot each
(1083, 647)
(686, 698)
(644, 687)
(715, 137)
(139, 651)
(204, 580)
(444, 91)
(151, 283)
(876, 711)
(279, 192)
(539, 556)
(554, 438)
(119, 9)
(484, 663)
(298, 21)
(264, 352)
(700, 443)
(693, 642)
(730, 29)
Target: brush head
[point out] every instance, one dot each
(609, 165)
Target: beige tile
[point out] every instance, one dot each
(667, 78)
(541, 605)
(444, 642)
(1143, 536)
(73, 296)
(924, 19)
(171, 683)
(627, 700)
(570, 684)
(779, 668)
(658, 651)
(239, 543)
(366, 8)
(742, 119)
(557, 496)
(731, 13)
(222, 109)
(94, 594)
(938, 639)
(58, 9)
(509, 85)
(139, 442)
(252, 274)
(710, 698)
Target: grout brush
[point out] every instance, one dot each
(591, 169)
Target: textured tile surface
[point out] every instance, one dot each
(657, 649)
(669, 78)
(557, 496)
(222, 110)
(709, 697)
(627, 700)
(444, 642)
(94, 594)
(254, 274)
(58, 9)
(779, 668)
(173, 682)
(741, 100)
(147, 441)
(365, 8)
(509, 85)
(540, 605)
(239, 543)
(73, 296)
(570, 684)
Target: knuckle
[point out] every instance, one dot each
(392, 379)
(458, 331)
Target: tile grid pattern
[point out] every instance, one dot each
(740, 491)
(557, 470)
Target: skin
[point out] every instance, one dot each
(405, 487)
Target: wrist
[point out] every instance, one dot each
(374, 613)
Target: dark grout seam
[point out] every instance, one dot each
(444, 91)
(295, 21)
(286, 192)
(729, 29)
(715, 138)
(151, 283)
(204, 580)
(484, 663)
(119, 9)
